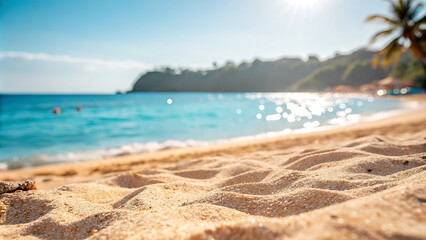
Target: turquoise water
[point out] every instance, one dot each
(110, 125)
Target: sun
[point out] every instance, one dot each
(304, 3)
(302, 10)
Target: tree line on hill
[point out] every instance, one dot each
(286, 74)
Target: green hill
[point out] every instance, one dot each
(286, 74)
(352, 74)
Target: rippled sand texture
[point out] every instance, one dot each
(370, 188)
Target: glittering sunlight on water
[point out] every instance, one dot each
(99, 126)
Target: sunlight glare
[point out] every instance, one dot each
(303, 9)
(304, 3)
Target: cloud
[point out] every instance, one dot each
(90, 63)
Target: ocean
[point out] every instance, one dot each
(112, 125)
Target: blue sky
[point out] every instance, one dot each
(88, 46)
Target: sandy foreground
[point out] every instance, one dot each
(365, 181)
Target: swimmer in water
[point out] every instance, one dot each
(56, 110)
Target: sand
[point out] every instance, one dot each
(365, 181)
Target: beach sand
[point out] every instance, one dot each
(365, 181)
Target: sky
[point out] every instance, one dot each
(101, 46)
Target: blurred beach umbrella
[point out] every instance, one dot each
(408, 28)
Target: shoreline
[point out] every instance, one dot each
(135, 148)
(133, 141)
(62, 173)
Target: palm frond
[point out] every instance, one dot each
(391, 52)
(382, 34)
(417, 53)
(415, 10)
(418, 23)
(397, 10)
(381, 18)
(375, 60)
(423, 45)
(410, 26)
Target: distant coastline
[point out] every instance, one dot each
(282, 75)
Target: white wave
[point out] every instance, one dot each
(406, 108)
(3, 166)
(133, 148)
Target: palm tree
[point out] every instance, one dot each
(409, 31)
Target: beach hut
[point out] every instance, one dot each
(391, 83)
